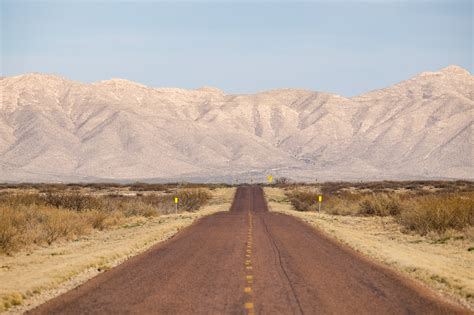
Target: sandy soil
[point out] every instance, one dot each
(29, 278)
(446, 266)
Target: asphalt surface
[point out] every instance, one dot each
(249, 260)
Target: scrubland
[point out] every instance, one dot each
(36, 216)
(420, 207)
(54, 237)
(424, 229)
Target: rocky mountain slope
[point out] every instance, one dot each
(53, 129)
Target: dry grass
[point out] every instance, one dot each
(341, 205)
(381, 204)
(38, 225)
(303, 200)
(423, 213)
(28, 219)
(438, 214)
(415, 187)
(96, 187)
(192, 199)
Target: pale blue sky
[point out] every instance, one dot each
(241, 47)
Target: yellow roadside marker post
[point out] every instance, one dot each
(176, 200)
(320, 200)
(270, 179)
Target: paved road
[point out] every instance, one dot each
(249, 260)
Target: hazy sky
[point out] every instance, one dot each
(241, 47)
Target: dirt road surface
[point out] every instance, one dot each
(249, 260)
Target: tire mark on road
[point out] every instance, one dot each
(277, 253)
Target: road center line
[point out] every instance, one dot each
(248, 265)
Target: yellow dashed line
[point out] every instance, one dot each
(248, 266)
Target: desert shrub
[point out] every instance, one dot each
(438, 213)
(56, 226)
(415, 187)
(147, 206)
(156, 204)
(73, 201)
(332, 188)
(36, 218)
(380, 205)
(101, 186)
(10, 229)
(342, 204)
(147, 187)
(14, 200)
(345, 204)
(192, 199)
(158, 201)
(25, 225)
(97, 219)
(66, 200)
(139, 208)
(281, 181)
(303, 200)
(417, 209)
(53, 224)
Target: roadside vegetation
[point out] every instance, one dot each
(43, 214)
(420, 207)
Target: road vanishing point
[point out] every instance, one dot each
(249, 261)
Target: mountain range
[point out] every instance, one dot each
(54, 129)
